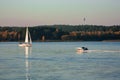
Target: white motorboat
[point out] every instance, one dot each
(81, 49)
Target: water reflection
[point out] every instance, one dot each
(27, 62)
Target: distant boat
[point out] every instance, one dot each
(28, 41)
(81, 49)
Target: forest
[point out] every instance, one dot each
(61, 33)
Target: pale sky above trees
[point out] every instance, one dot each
(49, 12)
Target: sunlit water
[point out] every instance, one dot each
(60, 61)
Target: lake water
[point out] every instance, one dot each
(60, 61)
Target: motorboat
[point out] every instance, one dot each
(81, 49)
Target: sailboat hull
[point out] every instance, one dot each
(25, 45)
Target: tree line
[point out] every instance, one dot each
(62, 33)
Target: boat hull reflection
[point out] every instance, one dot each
(27, 62)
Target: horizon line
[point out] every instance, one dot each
(58, 25)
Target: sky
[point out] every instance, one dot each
(50, 12)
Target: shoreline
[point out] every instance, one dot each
(111, 40)
(67, 41)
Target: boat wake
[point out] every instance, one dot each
(103, 51)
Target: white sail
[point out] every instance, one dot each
(30, 38)
(26, 37)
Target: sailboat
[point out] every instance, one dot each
(28, 41)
